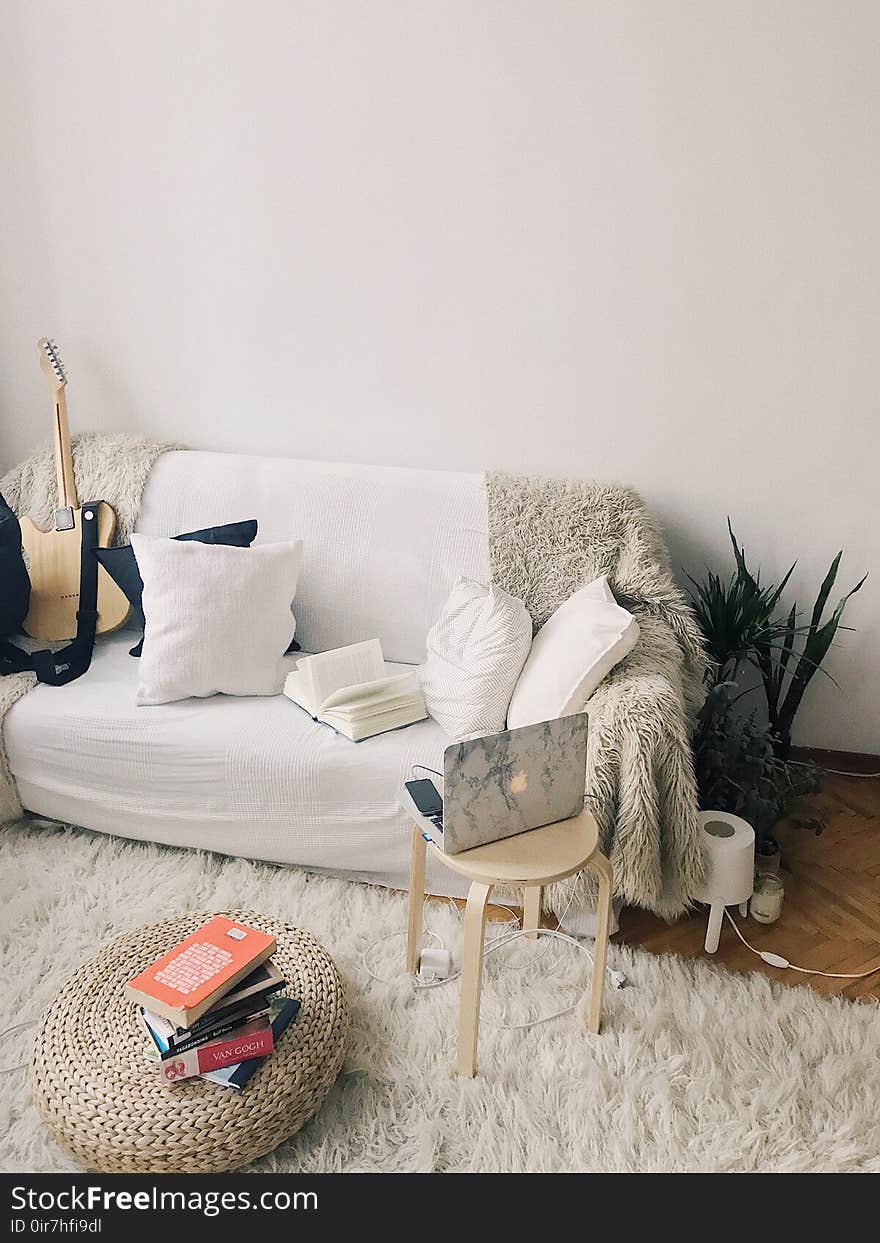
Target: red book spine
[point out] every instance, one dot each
(219, 1053)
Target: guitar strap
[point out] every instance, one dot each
(71, 662)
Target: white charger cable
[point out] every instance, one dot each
(17, 1027)
(776, 960)
(433, 959)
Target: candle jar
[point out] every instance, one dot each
(766, 902)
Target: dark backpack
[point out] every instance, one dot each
(55, 668)
(15, 586)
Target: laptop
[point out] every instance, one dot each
(508, 783)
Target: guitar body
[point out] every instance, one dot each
(54, 568)
(55, 557)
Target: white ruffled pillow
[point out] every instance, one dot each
(476, 652)
(218, 618)
(572, 652)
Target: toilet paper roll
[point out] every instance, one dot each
(729, 855)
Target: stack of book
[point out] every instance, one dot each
(212, 1006)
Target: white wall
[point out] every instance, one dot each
(626, 239)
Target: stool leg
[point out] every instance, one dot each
(471, 978)
(713, 928)
(416, 901)
(602, 867)
(743, 909)
(532, 899)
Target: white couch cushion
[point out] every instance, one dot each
(571, 654)
(218, 618)
(244, 776)
(382, 547)
(476, 651)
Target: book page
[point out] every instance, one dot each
(368, 693)
(296, 688)
(345, 667)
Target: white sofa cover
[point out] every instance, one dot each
(382, 547)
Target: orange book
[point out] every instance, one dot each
(184, 983)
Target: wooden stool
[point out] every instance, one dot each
(528, 861)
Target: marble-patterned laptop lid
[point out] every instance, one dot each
(507, 783)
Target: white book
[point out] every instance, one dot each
(349, 690)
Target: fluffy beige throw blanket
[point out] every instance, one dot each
(547, 538)
(108, 468)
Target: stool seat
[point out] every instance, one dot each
(538, 857)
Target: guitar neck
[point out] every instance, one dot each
(63, 456)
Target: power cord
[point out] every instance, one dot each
(617, 977)
(17, 1027)
(835, 772)
(776, 960)
(512, 966)
(428, 932)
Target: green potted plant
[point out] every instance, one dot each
(739, 618)
(741, 764)
(737, 769)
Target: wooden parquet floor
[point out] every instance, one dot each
(831, 915)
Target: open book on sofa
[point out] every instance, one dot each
(349, 690)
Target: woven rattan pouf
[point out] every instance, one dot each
(101, 1098)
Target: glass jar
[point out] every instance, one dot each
(768, 859)
(766, 902)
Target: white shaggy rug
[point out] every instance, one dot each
(697, 1068)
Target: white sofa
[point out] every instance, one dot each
(256, 777)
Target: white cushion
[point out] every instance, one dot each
(476, 652)
(218, 619)
(575, 649)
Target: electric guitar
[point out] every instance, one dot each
(54, 555)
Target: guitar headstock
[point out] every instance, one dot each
(52, 364)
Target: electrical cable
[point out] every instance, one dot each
(17, 1027)
(617, 978)
(776, 960)
(835, 772)
(546, 932)
(512, 966)
(387, 937)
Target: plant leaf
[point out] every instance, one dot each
(815, 650)
(825, 591)
(785, 654)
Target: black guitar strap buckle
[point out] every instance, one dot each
(61, 667)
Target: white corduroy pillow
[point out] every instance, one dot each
(475, 654)
(218, 619)
(572, 652)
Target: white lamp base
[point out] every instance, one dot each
(729, 854)
(713, 928)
